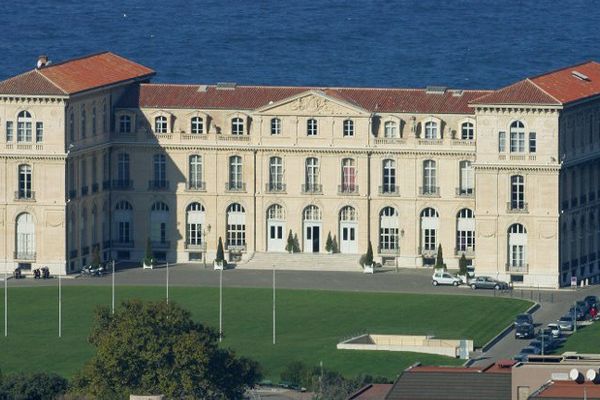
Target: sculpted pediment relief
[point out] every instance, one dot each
(312, 104)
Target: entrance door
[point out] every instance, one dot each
(312, 238)
(348, 237)
(276, 241)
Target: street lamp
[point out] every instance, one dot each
(204, 233)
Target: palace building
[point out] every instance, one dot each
(95, 157)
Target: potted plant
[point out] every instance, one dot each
(329, 244)
(148, 259)
(289, 247)
(296, 244)
(439, 259)
(336, 248)
(462, 268)
(220, 262)
(367, 260)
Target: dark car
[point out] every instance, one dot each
(485, 282)
(548, 340)
(526, 352)
(592, 301)
(524, 331)
(524, 318)
(584, 307)
(537, 343)
(576, 312)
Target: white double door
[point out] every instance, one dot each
(276, 239)
(312, 237)
(348, 240)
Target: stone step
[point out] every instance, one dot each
(303, 262)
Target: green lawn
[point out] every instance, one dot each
(309, 324)
(585, 340)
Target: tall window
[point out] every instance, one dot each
(25, 237)
(312, 129)
(160, 168)
(389, 177)
(72, 126)
(159, 217)
(501, 142)
(39, 131)
(195, 219)
(431, 130)
(466, 178)
(25, 182)
(197, 126)
(235, 173)
(517, 192)
(275, 174)
(429, 177)
(517, 137)
(236, 226)
(94, 169)
(83, 227)
(467, 132)
(532, 142)
(160, 124)
(123, 167)
(125, 124)
(388, 229)
(349, 176)
(104, 116)
(311, 178)
(237, 126)
(83, 122)
(517, 246)
(348, 128)
(429, 227)
(24, 127)
(195, 177)
(123, 222)
(94, 121)
(9, 131)
(465, 230)
(275, 126)
(390, 130)
(84, 176)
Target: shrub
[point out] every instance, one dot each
(462, 265)
(329, 243)
(220, 258)
(148, 259)
(296, 244)
(439, 260)
(289, 247)
(36, 386)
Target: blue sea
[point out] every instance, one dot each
(456, 43)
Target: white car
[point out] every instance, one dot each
(555, 329)
(444, 278)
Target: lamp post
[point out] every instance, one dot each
(274, 309)
(204, 233)
(113, 287)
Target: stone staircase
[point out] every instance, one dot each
(303, 262)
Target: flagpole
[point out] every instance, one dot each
(167, 282)
(5, 300)
(221, 304)
(59, 306)
(113, 286)
(274, 325)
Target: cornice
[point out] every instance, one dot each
(16, 99)
(517, 167)
(33, 156)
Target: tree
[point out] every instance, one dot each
(296, 244)
(367, 258)
(462, 265)
(336, 248)
(439, 260)
(220, 252)
(95, 257)
(156, 348)
(37, 386)
(289, 247)
(329, 243)
(148, 258)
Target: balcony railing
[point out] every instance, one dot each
(122, 244)
(235, 186)
(122, 184)
(198, 186)
(389, 251)
(385, 140)
(428, 253)
(465, 192)
(468, 252)
(429, 191)
(312, 188)
(236, 247)
(25, 195)
(348, 190)
(158, 185)
(518, 268)
(275, 187)
(389, 190)
(95, 187)
(24, 255)
(517, 207)
(195, 247)
(84, 190)
(233, 138)
(158, 244)
(431, 142)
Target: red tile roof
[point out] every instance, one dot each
(374, 391)
(522, 92)
(253, 97)
(75, 76)
(568, 390)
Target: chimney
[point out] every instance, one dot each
(42, 61)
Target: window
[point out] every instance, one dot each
(72, 127)
(9, 131)
(104, 118)
(311, 178)
(94, 170)
(25, 237)
(195, 217)
(348, 128)
(25, 182)
(83, 122)
(197, 126)
(237, 126)
(123, 222)
(467, 132)
(431, 130)
(94, 130)
(429, 177)
(39, 131)
(429, 227)
(276, 212)
(195, 177)
(160, 169)
(390, 129)
(532, 142)
(312, 213)
(125, 124)
(123, 167)
(465, 230)
(349, 176)
(517, 192)
(84, 175)
(160, 124)
(517, 137)
(275, 126)
(235, 173)
(24, 127)
(466, 178)
(517, 246)
(159, 217)
(389, 177)
(312, 128)
(83, 229)
(236, 226)
(276, 174)
(501, 142)
(388, 230)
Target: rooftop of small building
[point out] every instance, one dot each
(567, 390)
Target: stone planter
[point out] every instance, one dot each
(218, 265)
(368, 269)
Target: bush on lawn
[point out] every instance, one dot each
(32, 386)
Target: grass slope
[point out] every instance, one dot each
(585, 340)
(309, 324)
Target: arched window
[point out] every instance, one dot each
(125, 124)
(237, 126)
(24, 127)
(348, 213)
(159, 218)
(348, 226)
(517, 193)
(311, 176)
(388, 178)
(348, 128)
(431, 130)
(312, 213)
(429, 178)
(389, 225)
(275, 126)
(160, 124)
(276, 175)
(276, 212)
(517, 247)
(195, 173)
(235, 174)
(429, 228)
(467, 131)
(123, 218)
(25, 237)
(349, 176)
(466, 178)
(236, 227)
(25, 191)
(197, 126)
(312, 128)
(465, 231)
(517, 137)
(195, 217)
(390, 129)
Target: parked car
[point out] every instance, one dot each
(584, 307)
(524, 331)
(555, 330)
(485, 282)
(444, 278)
(524, 318)
(526, 352)
(577, 312)
(591, 301)
(548, 340)
(537, 343)
(566, 323)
